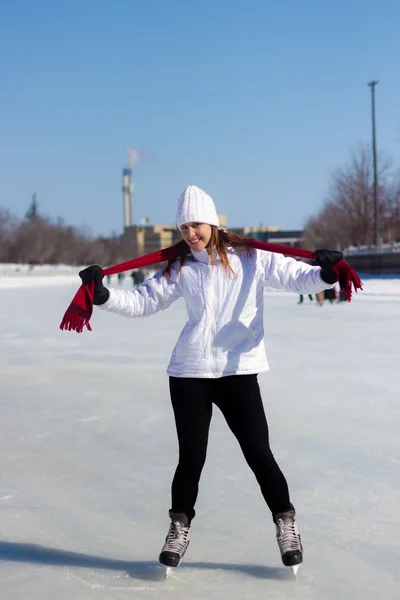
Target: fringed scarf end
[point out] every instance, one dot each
(72, 322)
(348, 279)
(77, 315)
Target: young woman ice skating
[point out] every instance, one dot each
(218, 355)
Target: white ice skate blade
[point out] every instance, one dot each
(168, 571)
(295, 570)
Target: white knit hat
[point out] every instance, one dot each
(195, 206)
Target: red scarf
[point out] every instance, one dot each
(78, 314)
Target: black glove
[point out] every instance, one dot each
(326, 259)
(95, 273)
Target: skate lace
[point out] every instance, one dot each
(177, 538)
(288, 536)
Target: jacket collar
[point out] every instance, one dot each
(201, 256)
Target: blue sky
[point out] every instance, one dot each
(255, 102)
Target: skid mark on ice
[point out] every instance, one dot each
(45, 434)
(21, 456)
(113, 583)
(84, 420)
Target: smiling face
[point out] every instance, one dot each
(196, 235)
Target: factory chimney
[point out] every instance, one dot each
(127, 190)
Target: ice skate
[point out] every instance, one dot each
(289, 540)
(176, 542)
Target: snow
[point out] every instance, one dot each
(88, 450)
(18, 269)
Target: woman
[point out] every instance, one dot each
(218, 355)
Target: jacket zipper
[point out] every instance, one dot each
(214, 305)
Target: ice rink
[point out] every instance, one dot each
(88, 451)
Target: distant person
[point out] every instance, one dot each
(134, 281)
(219, 355)
(320, 297)
(302, 298)
(140, 276)
(330, 295)
(137, 277)
(121, 277)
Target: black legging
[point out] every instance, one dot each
(239, 399)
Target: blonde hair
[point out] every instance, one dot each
(220, 241)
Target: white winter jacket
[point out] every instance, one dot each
(224, 334)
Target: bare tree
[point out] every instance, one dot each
(34, 242)
(347, 216)
(33, 210)
(390, 213)
(8, 225)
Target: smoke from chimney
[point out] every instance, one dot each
(132, 155)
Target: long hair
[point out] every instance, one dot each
(220, 241)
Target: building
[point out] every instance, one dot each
(144, 239)
(273, 235)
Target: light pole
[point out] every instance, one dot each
(372, 85)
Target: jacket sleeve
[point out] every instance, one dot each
(280, 272)
(153, 295)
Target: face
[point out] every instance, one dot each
(196, 235)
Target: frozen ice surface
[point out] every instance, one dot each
(88, 450)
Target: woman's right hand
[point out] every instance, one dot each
(92, 273)
(95, 273)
